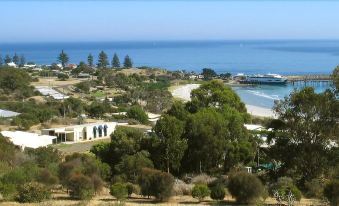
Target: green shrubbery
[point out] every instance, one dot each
(33, 192)
(331, 192)
(119, 191)
(284, 186)
(156, 183)
(245, 187)
(218, 192)
(200, 191)
(137, 113)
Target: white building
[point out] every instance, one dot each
(49, 91)
(8, 114)
(27, 139)
(83, 132)
(12, 64)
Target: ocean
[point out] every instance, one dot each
(265, 95)
(284, 57)
(241, 56)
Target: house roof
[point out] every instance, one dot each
(7, 113)
(27, 139)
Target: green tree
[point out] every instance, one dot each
(131, 165)
(245, 187)
(137, 113)
(170, 130)
(207, 135)
(115, 61)
(335, 77)
(119, 191)
(8, 59)
(16, 59)
(200, 191)
(308, 125)
(22, 61)
(128, 62)
(102, 60)
(1, 61)
(208, 73)
(63, 58)
(215, 94)
(90, 60)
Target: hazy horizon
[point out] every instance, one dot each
(106, 21)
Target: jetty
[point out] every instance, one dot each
(310, 79)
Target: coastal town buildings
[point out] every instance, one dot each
(83, 132)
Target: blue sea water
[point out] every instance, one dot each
(266, 95)
(242, 56)
(283, 57)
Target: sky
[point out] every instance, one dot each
(76, 20)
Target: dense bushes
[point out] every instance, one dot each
(218, 192)
(119, 191)
(156, 183)
(81, 186)
(83, 175)
(245, 187)
(33, 192)
(137, 113)
(200, 191)
(284, 186)
(331, 192)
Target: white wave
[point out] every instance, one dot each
(261, 94)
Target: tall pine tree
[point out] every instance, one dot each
(16, 59)
(90, 60)
(103, 60)
(63, 58)
(1, 61)
(22, 61)
(8, 59)
(115, 61)
(128, 62)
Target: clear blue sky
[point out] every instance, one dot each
(27, 21)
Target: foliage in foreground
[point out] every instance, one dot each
(200, 191)
(156, 183)
(245, 187)
(331, 192)
(33, 192)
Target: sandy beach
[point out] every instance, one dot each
(183, 92)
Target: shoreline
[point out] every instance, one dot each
(183, 92)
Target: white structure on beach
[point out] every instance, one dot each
(12, 64)
(8, 114)
(48, 91)
(27, 139)
(83, 132)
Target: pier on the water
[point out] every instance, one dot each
(311, 80)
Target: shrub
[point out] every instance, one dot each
(315, 188)
(283, 186)
(156, 183)
(62, 76)
(202, 179)
(200, 191)
(47, 178)
(119, 191)
(245, 187)
(33, 192)
(331, 192)
(131, 188)
(137, 113)
(181, 188)
(218, 192)
(81, 187)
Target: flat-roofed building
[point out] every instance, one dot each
(83, 132)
